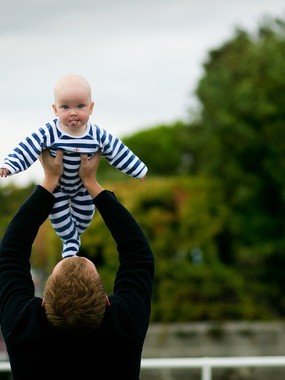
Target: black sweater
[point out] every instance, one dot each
(111, 352)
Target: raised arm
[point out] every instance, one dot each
(134, 278)
(16, 285)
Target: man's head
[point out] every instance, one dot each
(74, 296)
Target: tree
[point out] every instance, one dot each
(164, 148)
(240, 139)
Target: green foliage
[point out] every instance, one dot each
(10, 198)
(164, 149)
(240, 139)
(182, 217)
(203, 291)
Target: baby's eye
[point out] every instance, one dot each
(81, 105)
(64, 106)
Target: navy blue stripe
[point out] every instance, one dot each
(134, 167)
(83, 202)
(29, 152)
(68, 236)
(117, 162)
(61, 219)
(111, 147)
(34, 148)
(21, 157)
(59, 208)
(50, 129)
(15, 164)
(137, 175)
(126, 164)
(70, 162)
(74, 179)
(82, 212)
(36, 137)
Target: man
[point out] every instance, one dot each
(53, 338)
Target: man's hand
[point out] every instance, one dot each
(88, 174)
(53, 169)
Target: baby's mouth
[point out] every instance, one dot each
(73, 123)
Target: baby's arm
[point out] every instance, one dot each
(24, 154)
(4, 172)
(120, 156)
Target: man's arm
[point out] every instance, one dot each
(134, 278)
(16, 285)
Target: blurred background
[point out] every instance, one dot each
(197, 91)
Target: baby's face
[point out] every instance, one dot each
(73, 107)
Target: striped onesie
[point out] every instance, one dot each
(74, 208)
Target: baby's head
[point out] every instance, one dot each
(73, 103)
(72, 84)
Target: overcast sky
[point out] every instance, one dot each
(143, 58)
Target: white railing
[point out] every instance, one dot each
(5, 367)
(205, 364)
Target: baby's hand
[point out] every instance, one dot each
(4, 172)
(143, 178)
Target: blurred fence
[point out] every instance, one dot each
(205, 365)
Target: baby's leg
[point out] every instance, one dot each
(82, 210)
(64, 224)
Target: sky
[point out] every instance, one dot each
(142, 58)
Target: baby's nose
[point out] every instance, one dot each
(73, 111)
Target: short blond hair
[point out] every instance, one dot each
(74, 297)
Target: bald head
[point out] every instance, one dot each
(72, 103)
(71, 83)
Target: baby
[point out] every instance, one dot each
(72, 132)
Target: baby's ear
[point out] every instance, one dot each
(91, 107)
(54, 109)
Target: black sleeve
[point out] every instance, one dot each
(16, 285)
(134, 278)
